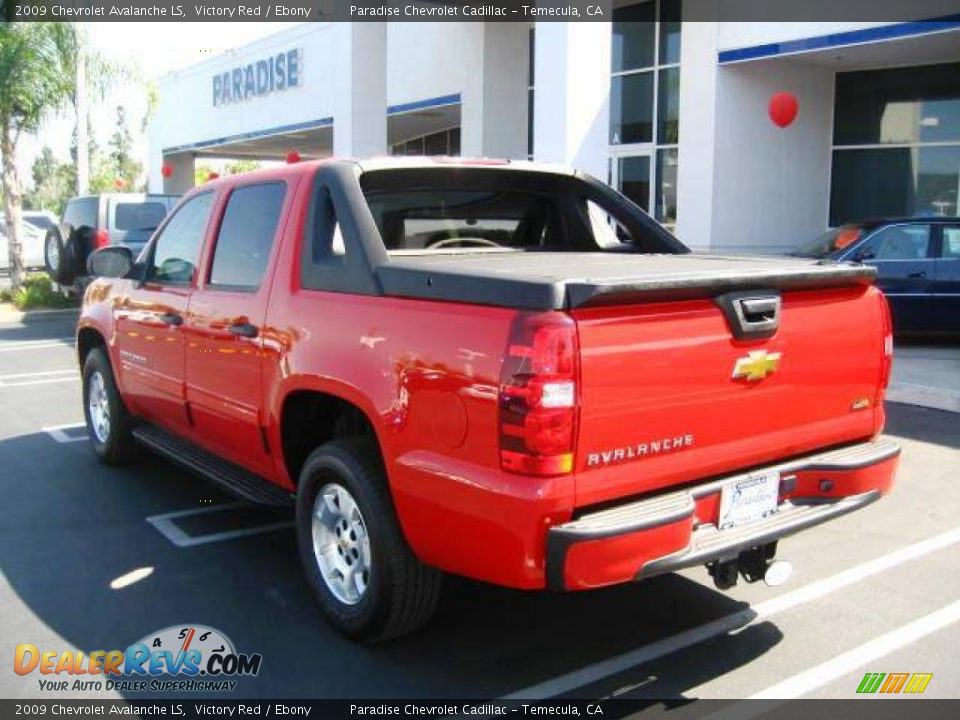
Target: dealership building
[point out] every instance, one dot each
(673, 111)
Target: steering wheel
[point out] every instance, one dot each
(451, 241)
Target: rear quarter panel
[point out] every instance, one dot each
(426, 375)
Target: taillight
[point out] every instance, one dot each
(887, 361)
(101, 239)
(538, 396)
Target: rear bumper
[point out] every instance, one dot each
(677, 530)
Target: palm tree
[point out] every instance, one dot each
(91, 76)
(43, 68)
(32, 85)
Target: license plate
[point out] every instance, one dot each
(748, 500)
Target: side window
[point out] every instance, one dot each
(246, 235)
(177, 249)
(901, 242)
(326, 241)
(951, 243)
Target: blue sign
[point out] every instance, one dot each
(257, 79)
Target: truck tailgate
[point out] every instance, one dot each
(660, 405)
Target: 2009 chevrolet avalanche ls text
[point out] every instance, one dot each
(502, 370)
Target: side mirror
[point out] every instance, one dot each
(864, 253)
(114, 261)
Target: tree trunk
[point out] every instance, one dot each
(12, 201)
(83, 135)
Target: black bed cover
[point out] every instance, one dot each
(565, 280)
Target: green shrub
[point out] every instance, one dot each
(37, 291)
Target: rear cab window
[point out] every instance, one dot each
(433, 210)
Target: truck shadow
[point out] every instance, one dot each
(937, 427)
(72, 527)
(54, 327)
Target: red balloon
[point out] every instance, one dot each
(293, 157)
(166, 171)
(783, 109)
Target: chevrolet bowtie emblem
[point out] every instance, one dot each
(756, 365)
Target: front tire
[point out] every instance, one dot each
(108, 422)
(368, 582)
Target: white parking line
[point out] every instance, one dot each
(815, 677)
(661, 648)
(818, 676)
(58, 433)
(36, 344)
(164, 523)
(39, 378)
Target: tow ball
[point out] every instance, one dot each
(758, 563)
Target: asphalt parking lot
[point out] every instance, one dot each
(93, 557)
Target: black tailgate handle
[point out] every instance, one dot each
(751, 314)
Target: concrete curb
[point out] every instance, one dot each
(936, 398)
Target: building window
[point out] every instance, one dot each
(645, 105)
(445, 142)
(896, 143)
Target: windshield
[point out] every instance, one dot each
(831, 241)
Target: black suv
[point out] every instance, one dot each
(95, 221)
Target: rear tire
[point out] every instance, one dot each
(108, 422)
(368, 582)
(59, 257)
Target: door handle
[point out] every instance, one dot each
(171, 319)
(244, 330)
(920, 274)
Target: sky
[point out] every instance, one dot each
(148, 51)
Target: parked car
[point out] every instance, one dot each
(32, 240)
(918, 266)
(502, 370)
(42, 220)
(95, 221)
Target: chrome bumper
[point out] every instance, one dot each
(707, 543)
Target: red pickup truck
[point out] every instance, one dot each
(502, 370)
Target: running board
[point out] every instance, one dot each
(225, 475)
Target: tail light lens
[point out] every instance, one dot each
(538, 396)
(887, 362)
(101, 239)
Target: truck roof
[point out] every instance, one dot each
(393, 163)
